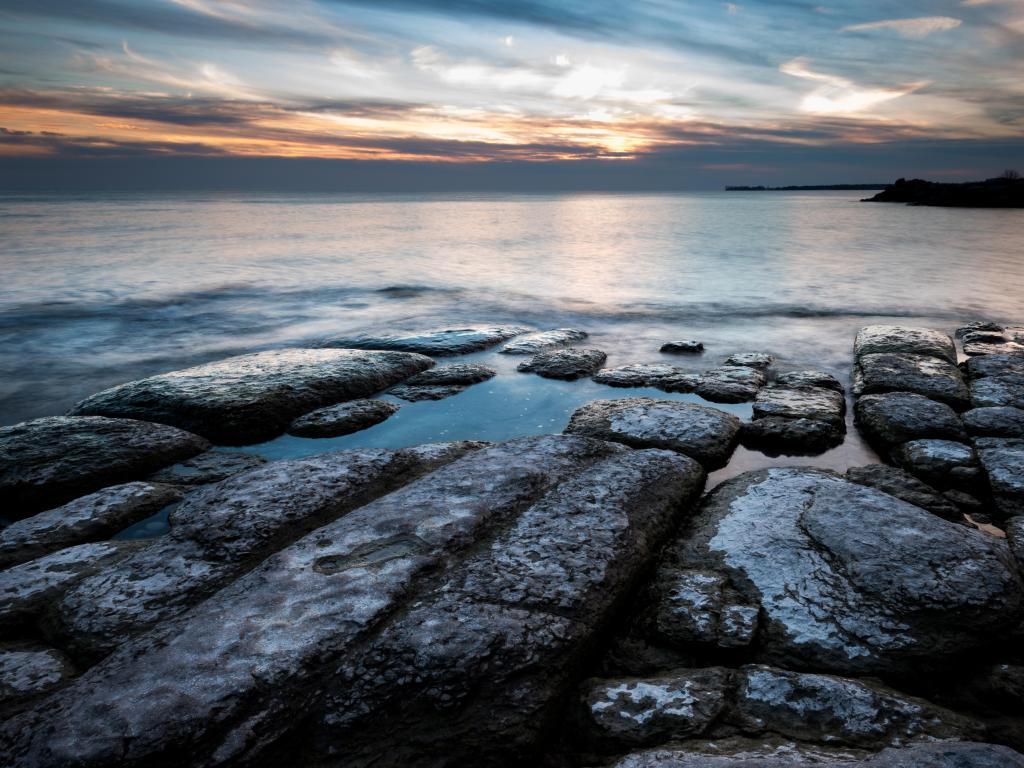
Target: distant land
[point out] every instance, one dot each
(1006, 191)
(811, 187)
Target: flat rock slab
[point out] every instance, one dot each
(995, 421)
(897, 417)
(441, 382)
(255, 397)
(994, 365)
(28, 672)
(897, 372)
(992, 339)
(875, 339)
(637, 375)
(727, 384)
(566, 364)
(435, 343)
(47, 462)
(705, 434)
(777, 436)
(845, 575)
(903, 485)
(90, 518)
(447, 614)
(801, 403)
(1003, 460)
(532, 343)
(419, 394)
(206, 468)
(940, 463)
(800, 379)
(759, 360)
(1005, 390)
(688, 347)
(342, 418)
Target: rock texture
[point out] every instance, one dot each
(443, 381)
(705, 434)
(90, 518)
(992, 339)
(903, 485)
(532, 343)
(566, 364)
(899, 417)
(1003, 460)
(759, 360)
(343, 418)
(688, 347)
(637, 375)
(47, 462)
(28, 672)
(206, 468)
(796, 416)
(435, 343)
(940, 463)
(798, 379)
(728, 384)
(997, 421)
(875, 339)
(254, 397)
(931, 377)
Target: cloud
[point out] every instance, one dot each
(912, 28)
(838, 95)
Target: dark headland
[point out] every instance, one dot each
(1006, 191)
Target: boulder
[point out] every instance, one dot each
(802, 403)
(566, 364)
(940, 463)
(995, 421)
(688, 347)
(896, 372)
(421, 393)
(875, 339)
(206, 468)
(903, 485)
(705, 434)
(441, 382)
(991, 339)
(898, 417)
(799, 419)
(532, 343)
(799, 379)
(637, 375)
(845, 575)
(251, 398)
(27, 672)
(343, 418)
(47, 462)
(776, 435)
(759, 360)
(435, 343)
(693, 607)
(1005, 390)
(94, 517)
(994, 365)
(1003, 460)
(444, 620)
(222, 531)
(728, 384)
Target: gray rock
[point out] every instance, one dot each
(940, 463)
(798, 379)
(903, 485)
(442, 620)
(688, 347)
(994, 365)
(90, 518)
(728, 384)
(221, 531)
(928, 376)
(567, 364)
(1006, 390)
(206, 468)
(47, 462)
(705, 434)
(637, 375)
(255, 397)
(28, 672)
(1003, 460)
(532, 343)
(775, 435)
(759, 360)
(419, 394)
(995, 421)
(845, 575)
(699, 607)
(898, 417)
(802, 403)
(1015, 537)
(27, 589)
(441, 382)
(978, 327)
(964, 502)
(994, 340)
(875, 339)
(343, 418)
(435, 343)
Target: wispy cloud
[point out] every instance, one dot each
(839, 95)
(913, 28)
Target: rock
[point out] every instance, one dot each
(699, 607)
(435, 343)
(994, 365)
(251, 398)
(705, 434)
(1003, 460)
(27, 589)
(688, 347)
(47, 462)
(875, 339)
(800, 379)
(978, 327)
(419, 394)
(729, 384)
(845, 575)
(995, 421)
(441, 382)
(27, 672)
(206, 468)
(567, 364)
(903, 485)
(532, 343)
(928, 376)
(343, 418)
(964, 502)
(993, 340)
(443, 620)
(775, 435)
(940, 463)
(222, 531)
(759, 360)
(898, 417)
(1015, 537)
(998, 391)
(94, 517)
(803, 403)
(637, 375)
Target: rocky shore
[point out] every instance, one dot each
(581, 598)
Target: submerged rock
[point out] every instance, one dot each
(567, 364)
(441, 382)
(688, 347)
(49, 461)
(94, 517)
(875, 339)
(1003, 460)
(931, 377)
(995, 421)
(255, 397)
(435, 343)
(759, 360)
(903, 485)
(897, 417)
(940, 463)
(532, 343)
(28, 672)
(206, 468)
(705, 434)
(343, 418)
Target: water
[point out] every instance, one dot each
(101, 289)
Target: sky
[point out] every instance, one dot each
(477, 93)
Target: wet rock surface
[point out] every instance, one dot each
(343, 418)
(206, 468)
(566, 364)
(687, 347)
(798, 379)
(992, 339)
(728, 384)
(47, 462)
(1003, 460)
(775, 436)
(801, 403)
(875, 339)
(796, 416)
(899, 417)
(532, 343)
(997, 421)
(1006, 390)
(903, 485)
(255, 397)
(932, 377)
(759, 360)
(702, 433)
(28, 672)
(441, 382)
(434, 343)
(940, 463)
(90, 518)
(637, 375)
